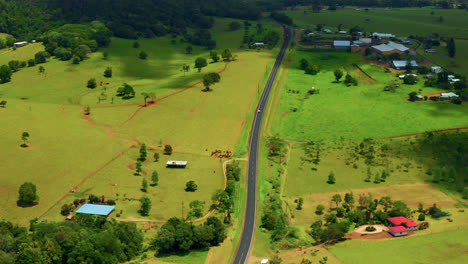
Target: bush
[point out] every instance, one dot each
(91, 83)
(421, 217)
(370, 229)
(312, 69)
(143, 55)
(410, 79)
(191, 186)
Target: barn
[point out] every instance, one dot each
(96, 209)
(401, 64)
(176, 164)
(20, 44)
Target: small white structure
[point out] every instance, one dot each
(448, 95)
(259, 44)
(382, 35)
(33, 41)
(450, 77)
(176, 164)
(436, 69)
(20, 44)
(264, 261)
(328, 31)
(342, 32)
(311, 34)
(341, 44)
(365, 41)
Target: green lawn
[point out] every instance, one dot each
(355, 112)
(401, 22)
(446, 247)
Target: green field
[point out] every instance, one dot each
(355, 112)
(446, 247)
(459, 64)
(98, 153)
(401, 22)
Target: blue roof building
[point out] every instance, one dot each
(341, 44)
(96, 209)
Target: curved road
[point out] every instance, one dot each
(250, 212)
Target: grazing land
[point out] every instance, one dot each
(446, 247)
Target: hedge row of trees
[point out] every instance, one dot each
(88, 239)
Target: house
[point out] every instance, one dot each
(407, 223)
(397, 231)
(328, 31)
(436, 69)
(259, 44)
(390, 48)
(20, 44)
(96, 209)
(341, 44)
(176, 164)
(401, 64)
(365, 41)
(448, 96)
(382, 35)
(342, 32)
(264, 261)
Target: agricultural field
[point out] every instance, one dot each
(446, 247)
(337, 112)
(66, 152)
(401, 22)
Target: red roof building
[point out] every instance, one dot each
(398, 229)
(399, 225)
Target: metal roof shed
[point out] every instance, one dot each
(176, 164)
(96, 209)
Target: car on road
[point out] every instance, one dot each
(258, 111)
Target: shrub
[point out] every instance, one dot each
(421, 217)
(191, 186)
(91, 83)
(370, 229)
(312, 69)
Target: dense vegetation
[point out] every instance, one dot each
(88, 239)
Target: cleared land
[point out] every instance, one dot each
(355, 112)
(446, 247)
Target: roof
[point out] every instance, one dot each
(383, 35)
(342, 32)
(390, 46)
(341, 43)
(176, 162)
(264, 261)
(436, 67)
(327, 30)
(448, 94)
(20, 42)
(399, 220)
(398, 229)
(411, 223)
(403, 63)
(95, 209)
(259, 43)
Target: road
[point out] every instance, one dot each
(251, 209)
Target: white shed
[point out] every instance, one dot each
(20, 44)
(264, 261)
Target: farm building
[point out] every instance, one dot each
(407, 223)
(365, 41)
(436, 69)
(259, 44)
(401, 64)
(328, 31)
(342, 32)
(20, 44)
(264, 261)
(390, 48)
(382, 35)
(397, 231)
(96, 209)
(341, 44)
(176, 164)
(448, 95)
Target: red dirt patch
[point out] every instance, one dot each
(24, 98)
(130, 166)
(5, 189)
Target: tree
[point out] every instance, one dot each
(337, 199)
(234, 25)
(349, 199)
(377, 177)
(300, 202)
(304, 64)
(386, 202)
(138, 168)
(319, 209)
(143, 152)
(143, 55)
(331, 178)
(31, 63)
(144, 185)
(126, 91)
(168, 149)
(108, 72)
(136, 45)
(145, 206)
(196, 209)
(41, 56)
(3, 103)
(41, 69)
(25, 137)
(156, 157)
(338, 74)
(451, 48)
(14, 65)
(209, 79)
(154, 178)
(185, 68)
(105, 55)
(27, 194)
(399, 209)
(76, 60)
(191, 186)
(226, 54)
(369, 175)
(413, 96)
(91, 83)
(189, 49)
(5, 73)
(421, 217)
(200, 63)
(214, 56)
(312, 69)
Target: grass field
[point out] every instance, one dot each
(356, 112)
(458, 64)
(446, 247)
(97, 154)
(402, 22)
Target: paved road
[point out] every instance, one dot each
(250, 212)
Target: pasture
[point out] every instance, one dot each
(445, 247)
(96, 154)
(401, 22)
(458, 64)
(339, 112)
